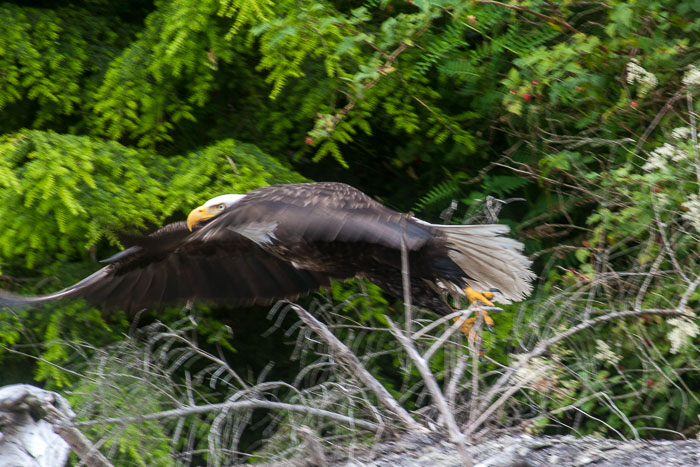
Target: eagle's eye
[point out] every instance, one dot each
(221, 206)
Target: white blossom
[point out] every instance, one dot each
(692, 77)
(638, 75)
(681, 133)
(654, 162)
(537, 365)
(660, 156)
(683, 331)
(692, 213)
(605, 354)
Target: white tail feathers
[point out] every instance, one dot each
(490, 259)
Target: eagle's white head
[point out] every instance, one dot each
(212, 208)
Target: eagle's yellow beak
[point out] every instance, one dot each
(198, 215)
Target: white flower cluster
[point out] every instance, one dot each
(605, 354)
(692, 213)
(683, 331)
(681, 133)
(692, 77)
(638, 75)
(660, 156)
(538, 365)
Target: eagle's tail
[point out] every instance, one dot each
(490, 259)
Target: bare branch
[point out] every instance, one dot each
(406, 276)
(238, 405)
(358, 370)
(534, 13)
(456, 436)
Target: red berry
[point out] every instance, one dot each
(527, 96)
(650, 382)
(535, 82)
(309, 140)
(656, 189)
(586, 243)
(620, 367)
(634, 103)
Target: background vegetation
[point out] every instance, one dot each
(573, 122)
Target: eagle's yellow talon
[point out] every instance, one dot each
(468, 326)
(483, 297)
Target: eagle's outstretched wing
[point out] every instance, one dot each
(167, 267)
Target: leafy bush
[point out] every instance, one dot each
(574, 122)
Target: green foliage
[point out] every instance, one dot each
(46, 58)
(163, 75)
(63, 193)
(118, 120)
(440, 195)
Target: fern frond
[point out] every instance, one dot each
(438, 196)
(503, 185)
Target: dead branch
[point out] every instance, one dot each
(406, 278)
(358, 370)
(553, 19)
(31, 413)
(238, 405)
(456, 435)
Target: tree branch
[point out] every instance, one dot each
(456, 436)
(348, 357)
(554, 19)
(238, 405)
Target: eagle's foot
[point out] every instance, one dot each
(467, 327)
(483, 297)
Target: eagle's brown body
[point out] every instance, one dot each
(283, 241)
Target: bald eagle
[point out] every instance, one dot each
(284, 241)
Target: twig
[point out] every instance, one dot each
(647, 281)
(232, 164)
(474, 396)
(457, 371)
(406, 278)
(656, 120)
(534, 13)
(693, 135)
(443, 338)
(369, 43)
(390, 59)
(688, 292)
(357, 370)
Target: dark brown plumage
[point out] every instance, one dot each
(284, 241)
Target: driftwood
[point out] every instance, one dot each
(35, 430)
(26, 438)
